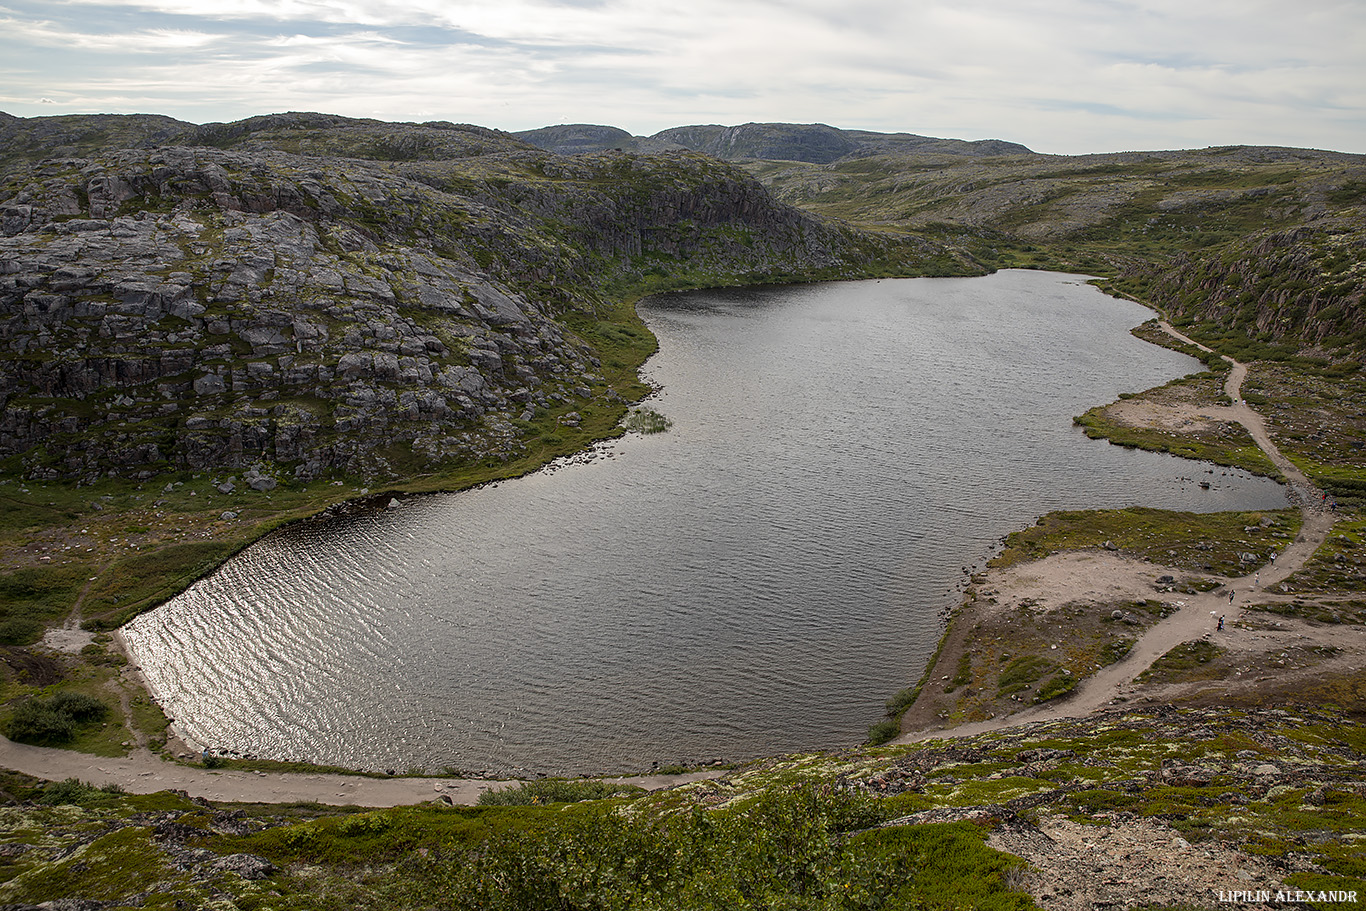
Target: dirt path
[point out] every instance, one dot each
(144, 773)
(1198, 617)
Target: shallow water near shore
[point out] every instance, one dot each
(757, 580)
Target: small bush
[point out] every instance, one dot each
(74, 792)
(556, 790)
(645, 420)
(79, 706)
(882, 732)
(53, 721)
(17, 631)
(35, 722)
(900, 702)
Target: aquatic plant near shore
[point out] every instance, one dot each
(645, 420)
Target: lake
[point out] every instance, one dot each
(756, 580)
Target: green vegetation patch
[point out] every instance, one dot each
(1209, 542)
(556, 790)
(1058, 685)
(645, 420)
(55, 720)
(884, 731)
(37, 593)
(790, 848)
(112, 868)
(1021, 672)
(1316, 413)
(1338, 566)
(1187, 661)
(1224, 443)
(140, 581)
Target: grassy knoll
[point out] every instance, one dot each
(1198, 542)
(1181, 430)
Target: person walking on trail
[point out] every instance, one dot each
(1231, 593)
(1220, 627)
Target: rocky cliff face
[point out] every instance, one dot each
(193, 307)
(1306, 285)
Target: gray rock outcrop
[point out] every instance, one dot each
(178, 307)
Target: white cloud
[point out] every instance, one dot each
(1058, 75)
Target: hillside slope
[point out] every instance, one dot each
(815, 143)
(310, 294)
(1265, 241)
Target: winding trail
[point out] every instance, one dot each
(1199, 618)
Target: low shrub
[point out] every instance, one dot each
(556, 790)
(883, 731)
(1055, 687)
(79, 706)
(35, 722)
(74, 792)
(900, 701)
(18, 631)
(54, 720)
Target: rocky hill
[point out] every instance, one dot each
(1264, 241)
(306, 293)
(26, 140)
(815, 143)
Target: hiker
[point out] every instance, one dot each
(1220, 627)
(1231, 593)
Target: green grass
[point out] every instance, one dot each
(40, 592)
(1208, 542)
(1187, 661)
(1054, 687)
(1232, 447)
(1021, 672)
(556, 790)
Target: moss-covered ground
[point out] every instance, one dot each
(891, 827)
(1197, 542)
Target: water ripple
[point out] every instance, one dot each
(757, 580)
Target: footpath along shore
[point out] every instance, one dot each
(1196, 619)
(144, 772)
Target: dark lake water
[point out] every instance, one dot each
(756, 580)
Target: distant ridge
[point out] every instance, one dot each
(309, 133)
(815, 143)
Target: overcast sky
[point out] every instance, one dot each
(1063, 76)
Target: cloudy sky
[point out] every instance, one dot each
(1063, 76)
